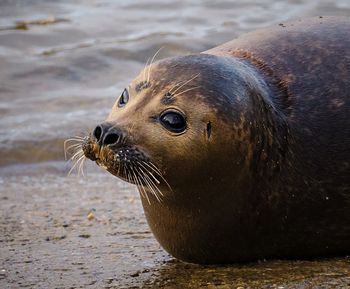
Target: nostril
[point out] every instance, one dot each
(97, 132)
(111, 138)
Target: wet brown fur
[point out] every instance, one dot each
(271, 178)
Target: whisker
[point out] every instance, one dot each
(152, 166)
(81, 167)
(177, 84)
(156, 170)
(118, 172)
(77, 155)
(140, 186)
(119, 166)
(150, 66)
(67, 141)
(80, 137)
(144, 70)
(188, 81)
(146, 175)
(124, 171)
(149, 173)
(157, 181)
(127, 174)
(192, 88)
(142, 190)
(78, 166)
(159, 173)
(71, 147)
(149, 185)
(145, 194)
(75, 165)
(153, 186)
(74, 138)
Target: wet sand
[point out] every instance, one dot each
(91, 233)
(63, 64)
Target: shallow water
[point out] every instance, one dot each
(63, 63)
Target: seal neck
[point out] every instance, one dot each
(267, 113)
(278, 89)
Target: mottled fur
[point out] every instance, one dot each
(263, 167)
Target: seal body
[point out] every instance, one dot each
(241, 152)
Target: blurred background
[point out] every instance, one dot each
(62, 66)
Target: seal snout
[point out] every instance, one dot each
(107, 134)
(109, 147)
(105, 139)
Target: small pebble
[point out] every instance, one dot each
(91, 216)
(136, 274)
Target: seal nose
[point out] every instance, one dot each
(112, 137)
(106, 134)
(97, 133)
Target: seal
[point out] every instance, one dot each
(241, 152)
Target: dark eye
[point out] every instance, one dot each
(124, 98)
(173, 121)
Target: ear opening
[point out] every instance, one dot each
(209, 129)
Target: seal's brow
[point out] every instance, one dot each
(168, 98)
(142, 85)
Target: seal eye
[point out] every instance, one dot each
(173, 121)
(124, 98)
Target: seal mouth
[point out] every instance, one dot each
(119, 161)
(128, 163)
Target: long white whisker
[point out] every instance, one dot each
(80, 171)
(177, 84)
(147, 170)
(146, 175)
(76, 138)
(186, 90)
(152, 166)
(145, 192)
(78, 154)
(160, 175)
(188, 81)
(75, 165)
(82, 167)
(150, 66)
(140, 187)
(78, 142)
(153, 186)
(149, 185)
(71, 147)
(156, 170)
(144, 70)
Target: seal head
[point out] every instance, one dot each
(241, 152)
(185, 132)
